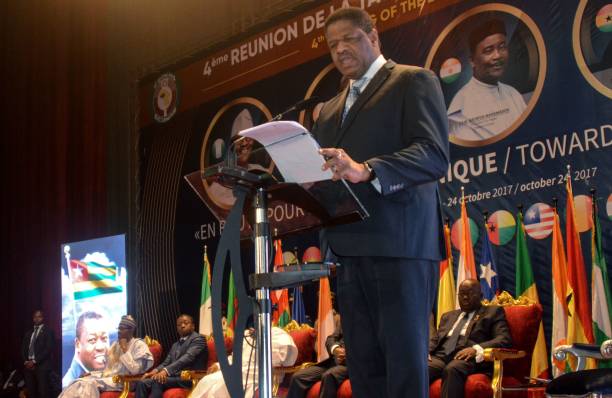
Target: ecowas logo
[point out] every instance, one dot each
(165, 97)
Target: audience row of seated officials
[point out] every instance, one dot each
(127, 356)
(455, 351)
(456, 348)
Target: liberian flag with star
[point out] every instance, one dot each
(489, 281)
(539, 220)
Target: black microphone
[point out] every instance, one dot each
(230, 157)
(298, 106)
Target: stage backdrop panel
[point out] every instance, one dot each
(504, 154)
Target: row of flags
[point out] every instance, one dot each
(282, 315)
(576, 319)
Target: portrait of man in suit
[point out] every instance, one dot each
(456, 349)
(36, 350)
(189, 352)
(90, 346)
(386, 134)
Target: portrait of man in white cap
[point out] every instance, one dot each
(485, 107)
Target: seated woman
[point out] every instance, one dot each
(127, 356)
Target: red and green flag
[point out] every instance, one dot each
(579, 322)
(280, 298)
(232, 306)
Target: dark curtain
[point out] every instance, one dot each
(53, 121)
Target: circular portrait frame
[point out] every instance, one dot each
(579, 55)
(539, 48)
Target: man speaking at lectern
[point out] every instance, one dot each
(387, 134)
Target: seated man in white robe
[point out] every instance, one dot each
(127, 356)
(284, 353)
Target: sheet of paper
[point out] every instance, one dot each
(294, 151)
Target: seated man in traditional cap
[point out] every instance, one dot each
(127, 356)
(485, 107)
(189, 352)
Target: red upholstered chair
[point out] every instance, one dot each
(523, 319)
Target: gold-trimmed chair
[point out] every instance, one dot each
(523, 317)
(126, 380)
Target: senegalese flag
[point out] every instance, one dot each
(325, 322)
(90, 279)
(579, 322)
(601, 296)
(280, 298)
(603, 20)
(450, 70)
(467, 266)
(205, 326)
(232, 306)
(446, 289)
(525, 286)
(561, 292)
(501, 227)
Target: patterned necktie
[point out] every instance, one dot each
(451, 342)
(32, 341)
(352, 96)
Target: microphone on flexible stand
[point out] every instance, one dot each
(298, 106)
(230, 156)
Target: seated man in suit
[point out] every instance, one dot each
(190, 352)
(332, 371)
(456, 349)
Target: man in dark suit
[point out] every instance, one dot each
(456, 349)
(332, 371)
(387, 134)
(190, 352)
(36, 353)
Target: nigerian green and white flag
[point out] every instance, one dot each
(601, 300)
(205, 300)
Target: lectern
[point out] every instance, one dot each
(324, 203)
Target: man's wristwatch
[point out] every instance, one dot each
(371, 171)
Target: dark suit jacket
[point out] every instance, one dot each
(43, 346)
(399, 125)
(332, 340)
(191, 354)
(487, 328)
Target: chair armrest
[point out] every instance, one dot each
(194, 376)
(583, 351)
(279, 372)
(125, 381)
(497, 356)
